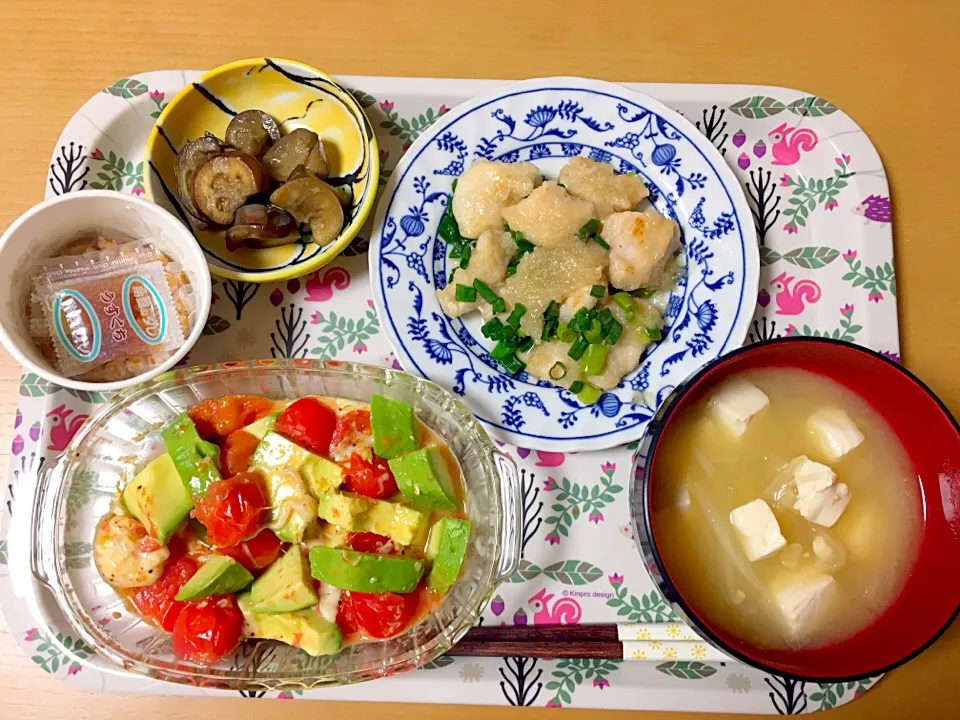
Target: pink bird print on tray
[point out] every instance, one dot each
(792, 300)
(565, 611)
(63, 427)
(789, 142)
(320, 289)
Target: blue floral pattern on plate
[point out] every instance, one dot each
(547, 122)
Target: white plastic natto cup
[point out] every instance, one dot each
(40, 231)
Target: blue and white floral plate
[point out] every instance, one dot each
(547, 121)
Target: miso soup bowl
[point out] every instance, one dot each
(930, 599)
(114, 444)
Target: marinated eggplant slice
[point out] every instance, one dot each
(223, 184)
(300, 171)
(192, 156)
(312, 201)
(252, 131)
(262, 226)
(298, 147)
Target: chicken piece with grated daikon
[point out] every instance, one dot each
(488, 263)
(598, 183)
(549, 217)
(640, 245)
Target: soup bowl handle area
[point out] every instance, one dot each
(511, 535)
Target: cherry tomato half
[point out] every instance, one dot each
(236, 451)
(350, 425)
(231, 509)
(257, 553)
(218, 417)
(208, 630)
(368, 542)
(309, 423)
(371, 478)
(156, 602)
(379, 615)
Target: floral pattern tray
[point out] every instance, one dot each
(819, 197)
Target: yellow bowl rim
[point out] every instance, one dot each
(346, 236)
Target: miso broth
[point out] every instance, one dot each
(704, 472)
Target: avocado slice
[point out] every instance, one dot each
(396, 429)
(306, 629)
(158, 498)
(219, 575)
(321, 475)
(364, 572)
(262, 426)
(196, 460)
(286, 586)
(357, 513)
(446, 548)
(292, 508)
(424, 479)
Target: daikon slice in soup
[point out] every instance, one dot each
(785, 509)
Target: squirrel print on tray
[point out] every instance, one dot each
(565, 611)
(793, 300)
(789, 142)
(62, 427)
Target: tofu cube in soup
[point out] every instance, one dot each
(640, 245)
(758, 529)
(549, 217)
(834, 431)
(735, 403)
(485, 189)
(821, 503)
(598, 183)
(802, 599)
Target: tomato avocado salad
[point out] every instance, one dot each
(316, 523)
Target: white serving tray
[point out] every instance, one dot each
(823, 215)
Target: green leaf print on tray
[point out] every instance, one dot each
(647, 608)
(687, 670)
(876, 280)
(126, 88)
(64, 651)
(846, 332)
(571, 674)
(35, 386)
(337, 331)
(830, 694)
(812, 106)
(116, 173)
(438, 663)
(408, 130)
(809, 258)
(573, 500)
(758, 107)
(810, 192)
(89, 396)
(3, 552)
(565, 572)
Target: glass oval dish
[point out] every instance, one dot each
(124, 434)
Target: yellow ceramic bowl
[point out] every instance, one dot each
(297, 96)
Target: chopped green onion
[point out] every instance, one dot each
(576, 386)
(499, 306)
(643, 293)
(594, 334)
(485, 292)
(588, 394)
(598, 291)
(519, 310)
(452, 273)
(465, 293)
(551, 320)
(465, 254)
(654, 333)
(558, 371)
(600, 241)
(492, 329)
(512, 364)
(524, 247)
(501, 350)
(613, 333)
(565, 333)
(649, 334)
(579, 347)
(624, 302)
(581, 320)
(590, 227)
(593, 360)
(527, 344)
